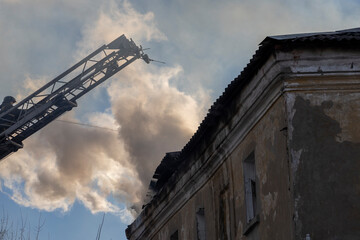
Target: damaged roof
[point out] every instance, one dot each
(181, 162)
(164, 171)
(347, 34)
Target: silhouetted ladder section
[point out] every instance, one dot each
(60, 94)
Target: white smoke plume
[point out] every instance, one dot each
(148, 117)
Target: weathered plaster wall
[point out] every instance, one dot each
(184, 221)
(222, 196)
(299, 114)
(268, 140)
(324, 145)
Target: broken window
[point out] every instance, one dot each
(250, 186)
(200, 224)
(175, 235)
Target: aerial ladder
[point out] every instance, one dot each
(59, 95)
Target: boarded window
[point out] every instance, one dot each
(250, 186)
(200, 224)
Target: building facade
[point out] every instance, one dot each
(276, 157)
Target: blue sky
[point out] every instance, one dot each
(72, 174)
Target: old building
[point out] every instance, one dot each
(278, 154)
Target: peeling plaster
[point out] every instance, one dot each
(334, 105)
(274, 216)
(290, 101)
(296, 214)
(183, 232)
(325, 172)
(264, 179)
(295, 159)
(240, 228)
(269, 203)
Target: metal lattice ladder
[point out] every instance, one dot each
(59, 95)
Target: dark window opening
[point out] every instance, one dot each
(200, 224)
(175, 236)
(250, 187)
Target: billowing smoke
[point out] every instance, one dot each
(154, 116)
(65, 162)
(109, 166)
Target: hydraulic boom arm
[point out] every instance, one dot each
(60, 95)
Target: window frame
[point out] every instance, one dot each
(250, 192)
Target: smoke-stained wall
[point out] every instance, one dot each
(325, 148)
